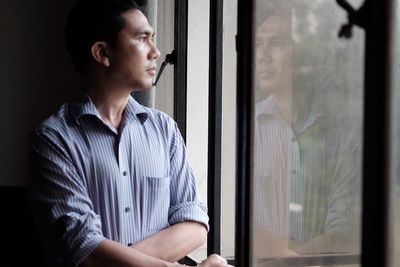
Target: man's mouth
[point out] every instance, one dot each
(152, 70)
(266, 74)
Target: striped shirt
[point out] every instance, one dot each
(306, 177)
(91, 181)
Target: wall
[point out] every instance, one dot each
(36, 76)
(228, 154)
(164, 93)
(197, 96)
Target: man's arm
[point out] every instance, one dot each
(270, 245)
(187, 214)
(69, 228)
(175, 242)
(109, 253)
(160, 249)
(342, 232)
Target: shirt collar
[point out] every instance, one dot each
(83, 106)
(315, 114)
(135, 110)
(269, 108)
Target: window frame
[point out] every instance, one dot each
(376, 141)
(180, 64)
(376, 132)
(215, 126)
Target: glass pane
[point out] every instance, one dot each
(395, 199)
(307, 142)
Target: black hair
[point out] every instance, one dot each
(90, 21)
(266, 9)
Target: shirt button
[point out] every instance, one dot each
(127, 209)
(124, 173)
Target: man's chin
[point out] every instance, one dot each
(144, 86)
(269, 87)
(148, 87)
(269, 83)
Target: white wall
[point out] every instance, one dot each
(197, 89)
(164, 93)
(228, 166)
(197, 97)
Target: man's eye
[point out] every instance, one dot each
(142, 38)
(278, 43)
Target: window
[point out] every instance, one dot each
(306, 135)
(300, 157)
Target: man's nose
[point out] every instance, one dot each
(264, 55)
(154, 52)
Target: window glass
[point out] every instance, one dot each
(395, 193)
(307, 134)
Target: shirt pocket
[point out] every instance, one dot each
(156, 202)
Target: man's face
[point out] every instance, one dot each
(133, 58)
(274, 54)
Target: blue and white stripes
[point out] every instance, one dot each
(91, 181)
(306, 178)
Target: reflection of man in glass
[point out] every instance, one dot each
(306, 195)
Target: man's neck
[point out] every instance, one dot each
(109, 101)
(285, 105)
(294, 110)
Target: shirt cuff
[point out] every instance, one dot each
(189, 211)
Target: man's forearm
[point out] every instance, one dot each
(331, 242)
(110, 253)
(175, 242)
(268, 244)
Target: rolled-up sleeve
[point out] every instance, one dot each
(344, 193)
(186, 203)
(69, 228)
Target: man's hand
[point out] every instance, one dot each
(270, 245)
(214, 260)
(175, 242)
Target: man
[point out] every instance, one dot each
(111, 185)
(306, 179)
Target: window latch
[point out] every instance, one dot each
(355, 17)
(169, 59)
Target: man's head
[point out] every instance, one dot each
(113, 34)
(273, 54)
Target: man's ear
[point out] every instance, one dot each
(99, 51)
